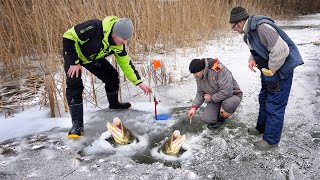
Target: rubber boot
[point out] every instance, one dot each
(253, 131)
(216, 125)
(264, 145)
(221, 119)
(213, 126)
(114, 102)
(76, 112)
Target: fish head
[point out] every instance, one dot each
(120, 134)
(174, 143)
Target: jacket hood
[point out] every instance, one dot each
(107, 23)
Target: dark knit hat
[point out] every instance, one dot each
(197, 65)
(123, 28)
(238, 14)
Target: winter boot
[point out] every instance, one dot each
(253, 131)
(114, 102)
(76, 112)
(220, 122)
(213, 126)
(264, 145)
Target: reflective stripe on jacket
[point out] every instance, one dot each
(90, 41)
(217, 82)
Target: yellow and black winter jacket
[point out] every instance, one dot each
(91, 41)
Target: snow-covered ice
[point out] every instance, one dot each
(34, 146)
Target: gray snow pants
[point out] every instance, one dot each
(212, 110)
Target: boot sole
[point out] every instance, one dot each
(265, 148)
(256, 134)
(73, 136)
(118, 108)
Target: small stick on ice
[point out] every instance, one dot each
(190, 120)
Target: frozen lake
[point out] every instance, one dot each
(226, 153)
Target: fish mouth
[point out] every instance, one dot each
(118, 132)
(175, 144)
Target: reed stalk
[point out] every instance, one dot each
(31, 30)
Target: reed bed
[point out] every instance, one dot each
(31, 31)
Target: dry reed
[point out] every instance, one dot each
(31, 30)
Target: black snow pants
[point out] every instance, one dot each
(102, 69)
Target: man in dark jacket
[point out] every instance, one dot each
(276, 56)
(87, 44)
(217, 87)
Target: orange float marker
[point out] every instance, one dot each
(156, 64)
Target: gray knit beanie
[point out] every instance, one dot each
(238, 14)
(123, 28)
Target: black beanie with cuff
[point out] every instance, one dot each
(197, 65)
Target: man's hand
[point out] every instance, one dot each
(74, 70)
(207, 97)
(191, 112)
(146, 89)
(252, 64)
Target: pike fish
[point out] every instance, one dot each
(120, 134)
(173, 144)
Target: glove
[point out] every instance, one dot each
(267, 72)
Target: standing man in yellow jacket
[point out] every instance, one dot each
(87, 44)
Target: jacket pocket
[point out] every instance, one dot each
(273, 86)
(273, 82)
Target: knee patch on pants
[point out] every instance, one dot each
(230, 105)
(224, 114)
(211, 113)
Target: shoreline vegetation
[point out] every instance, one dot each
(31, 35)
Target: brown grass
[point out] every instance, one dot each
(31, 30)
